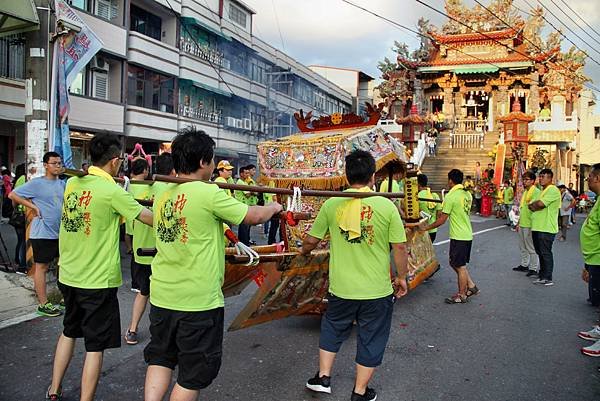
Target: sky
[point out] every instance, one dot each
(333, 33)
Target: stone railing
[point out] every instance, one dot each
(470, 125)
(200, 114)
(464, 140)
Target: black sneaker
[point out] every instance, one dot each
(21, 270)
(369, 395)
(520, 268)
(320, 384)
(531, 273)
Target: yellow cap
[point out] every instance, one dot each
(224, 164)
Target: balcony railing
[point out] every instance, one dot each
(470, 125)
(200, 114)
(462, 140)
(207, 53)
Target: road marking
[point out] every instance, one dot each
(474, 234)
(17, 320)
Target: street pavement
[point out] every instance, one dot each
(513, 341)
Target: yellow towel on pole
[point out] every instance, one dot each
(350, 215)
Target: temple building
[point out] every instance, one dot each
(471, 71)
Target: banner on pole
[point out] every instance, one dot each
(73, 49)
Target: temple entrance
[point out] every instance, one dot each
(476, 105)
(436, 103)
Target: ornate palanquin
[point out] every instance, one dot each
(290, 284)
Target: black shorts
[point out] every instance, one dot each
(460, 252)
(44, 250)
(192, 340)
(141, 276)
(373, 318)
(92, 314)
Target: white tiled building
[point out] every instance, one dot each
(167, 64)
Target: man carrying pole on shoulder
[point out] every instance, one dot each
(90, 263)
(361, 231)
(457, 207)
(186, 300)
(143, 237)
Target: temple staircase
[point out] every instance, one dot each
(466, 149)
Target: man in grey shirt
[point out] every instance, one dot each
(44, 195)
(566, 203)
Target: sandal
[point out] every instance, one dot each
(472, 291)
(456, 299)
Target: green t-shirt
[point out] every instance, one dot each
(224, 181)
(457, 205)
(188, 270)
(20, 181)
(253, 199)
(143, 235)
(546, 220)
(431, 211)
(509, 195)
(395, 188)
(589, 237)
(89, 230)
(241, 195)
(524, 212)
(360, 268)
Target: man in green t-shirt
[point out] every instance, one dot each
(244, 197)
(143, 237)
(544, 225)
(139, 171)
(529, 259)
(361, 232)
(589, 239)
(90, 264)
(457, 206)
(224, 169)
(431, 208)
(186, 300)
(507, 197)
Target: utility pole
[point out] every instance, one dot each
(37, 82)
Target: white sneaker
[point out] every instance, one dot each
(593, 334)
(592, 350)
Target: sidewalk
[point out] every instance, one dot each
(17, 298)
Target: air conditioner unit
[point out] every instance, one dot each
(230, 122)
(239, 123)
(99, 63)
(100, 85)
(247, 123)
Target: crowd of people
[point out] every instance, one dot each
(182, 282)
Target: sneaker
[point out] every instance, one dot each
(54, 397)
(531, 273)
(21, 270)
(131, 337)
(520, 268)
(539, 281)
(48, 310)
(136, 290)
(592, 350)
(593, 334)
(549, 283)
(369, 395)
(320, 384)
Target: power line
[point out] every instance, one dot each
(569, 28)
(502, 44)
(510, 26)
(580, 17)
(278, 25)
(575, 22)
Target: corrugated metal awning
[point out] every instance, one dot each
(18, 16)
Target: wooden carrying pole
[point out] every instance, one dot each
(258, 189)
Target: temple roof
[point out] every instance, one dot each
(508, 33)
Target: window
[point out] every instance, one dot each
(107, 9)
(145, 23)
(237, 15)
(596, 132)
(78, 85)
(81, 4)
(150, 90)
(12, 56)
